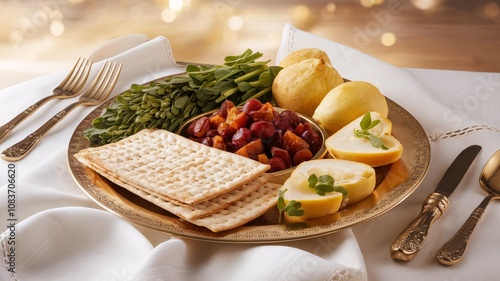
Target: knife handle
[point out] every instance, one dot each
(410, 241)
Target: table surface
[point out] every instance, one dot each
(439, 34)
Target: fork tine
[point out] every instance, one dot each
(98, 80)
(83, 74)
(79, 68)
(106, 82)
(111, 86)
(105, 79)
(77, 64)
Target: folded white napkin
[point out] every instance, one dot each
(456, 109)
(61, 236)
(117, 46)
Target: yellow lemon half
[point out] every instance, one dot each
(345, 145)
(357, 178)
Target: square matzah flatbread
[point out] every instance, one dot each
(245, 210)
(195, 211)
(249, 207)
(209, 207)
(171, 165)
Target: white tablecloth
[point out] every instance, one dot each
(61, 234)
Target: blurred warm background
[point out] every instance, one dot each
(38, 37)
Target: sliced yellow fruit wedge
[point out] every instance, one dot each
(357, 178)
(344, 144)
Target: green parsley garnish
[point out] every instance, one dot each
(324, 184)
(291, 209)
(367, 124)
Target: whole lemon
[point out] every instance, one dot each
(301, 86)
(347, 102)
(303, 54)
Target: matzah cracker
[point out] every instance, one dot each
(201, 210)
(248, 208)
(245, 210)
(171, 165)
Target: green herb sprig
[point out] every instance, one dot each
(293, 208)
(367, 124)
(166, 103)
(324, 184)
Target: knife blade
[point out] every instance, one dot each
(406, 246)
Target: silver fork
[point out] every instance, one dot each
(97, 93)
(70, 87)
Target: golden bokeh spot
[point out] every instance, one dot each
(426, 4)
(175, 5)
(56, 28)
(367, 3)
(168, 15)
(491, 10)
(388, 39)
(301, 13)
(328, 12)
(235, 23)
(330, 7)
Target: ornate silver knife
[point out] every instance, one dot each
(410, 241)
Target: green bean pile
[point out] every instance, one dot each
(167, 103)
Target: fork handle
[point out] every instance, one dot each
(9, 126)
(453, 251)
(22, 148)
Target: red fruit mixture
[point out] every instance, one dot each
(259, 132)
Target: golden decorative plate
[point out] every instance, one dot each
(395, 182)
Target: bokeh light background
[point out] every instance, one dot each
(42, 36)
